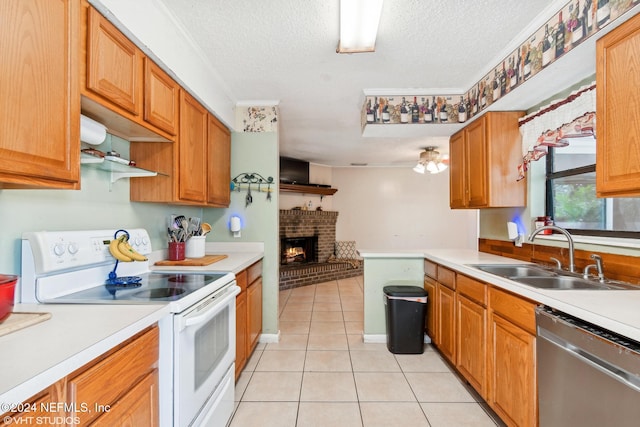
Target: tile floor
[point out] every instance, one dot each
(321, 373)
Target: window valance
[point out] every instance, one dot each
(555, 124)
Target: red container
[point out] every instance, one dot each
(7, 291)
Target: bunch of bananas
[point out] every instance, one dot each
(122, 251)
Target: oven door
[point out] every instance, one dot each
(204, 337)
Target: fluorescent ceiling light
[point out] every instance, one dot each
(359, 21)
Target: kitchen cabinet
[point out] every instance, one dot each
(121, 87)
(618, 111)
(248, 313)
(36, 151)
(118, 388)
(471, 331)
(512, 358)
(36, 408)
(446, 312)
(483, 159)
(195, 170)
(113, 65)
(431, 326)
(218, 164)
(161, 97)
(192, 149)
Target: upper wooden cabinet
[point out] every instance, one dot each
(161, 94)
(218, 163)
(40, 101)
(195, 170)
(483, 163)
(618, 111)
(122, 88)
(193, 150)
(114, 64)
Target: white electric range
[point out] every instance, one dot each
(197, 341)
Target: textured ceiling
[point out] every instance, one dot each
(284, 51)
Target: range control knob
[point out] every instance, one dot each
(73, 248)
(58, 249)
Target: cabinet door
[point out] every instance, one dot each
(513, 391)
(477, 164)
(192, 182)
(40, 97)
(161, 95)
(431, 327)
(457, 166)
(218, 164)
(113, 63)
(254, 322)
(446, 322)
(618, 109)
(241, 332)
(35, 408)
(471, 342)
(139, 407)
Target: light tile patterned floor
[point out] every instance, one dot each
(322, 374)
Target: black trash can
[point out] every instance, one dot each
(405, 311)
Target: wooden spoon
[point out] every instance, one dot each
(205, 228)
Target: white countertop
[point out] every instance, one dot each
(39, 355)
(616, 310)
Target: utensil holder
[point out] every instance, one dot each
(195, 247)
(176, 251)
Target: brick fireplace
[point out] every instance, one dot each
(316, 228)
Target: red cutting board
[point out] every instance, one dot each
(194, 262)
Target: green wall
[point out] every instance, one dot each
(255, 153)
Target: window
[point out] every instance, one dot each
(571, 194)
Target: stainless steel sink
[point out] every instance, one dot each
(513, 271)
(542, 278)
(562, 282)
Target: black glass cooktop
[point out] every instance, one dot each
(152, 287)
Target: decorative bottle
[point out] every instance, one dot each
(560, 36)
(444, 116)
(404, 113)
(547, 51)
(415, 111)
(604, 13)
(370, 118)
(428, 113)
(462, 111)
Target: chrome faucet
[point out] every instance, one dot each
(597, 265)
(535, 232)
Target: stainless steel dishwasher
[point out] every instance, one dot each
(587, 376)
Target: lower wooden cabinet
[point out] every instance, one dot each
(446, 323)
(248, 313)
(488, 334)
(471, 338)
(119, 388)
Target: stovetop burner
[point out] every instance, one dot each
(159, 293)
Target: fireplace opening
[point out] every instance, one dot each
(298, 250)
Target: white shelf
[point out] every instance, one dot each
(118, 170)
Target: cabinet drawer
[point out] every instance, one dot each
(241, 280)
(447, 277)
(431, 269)
(254, 272)
(107, 380)
(516, 309)
(472, 289)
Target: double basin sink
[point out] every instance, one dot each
(544, 278)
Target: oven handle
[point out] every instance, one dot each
(216, 305)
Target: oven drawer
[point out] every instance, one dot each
(109, 379)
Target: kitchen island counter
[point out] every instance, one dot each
(616, 310)
(37, 356)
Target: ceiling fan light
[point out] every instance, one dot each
(359, 21)
(441, 167)
(419, 168)
(432, 167)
